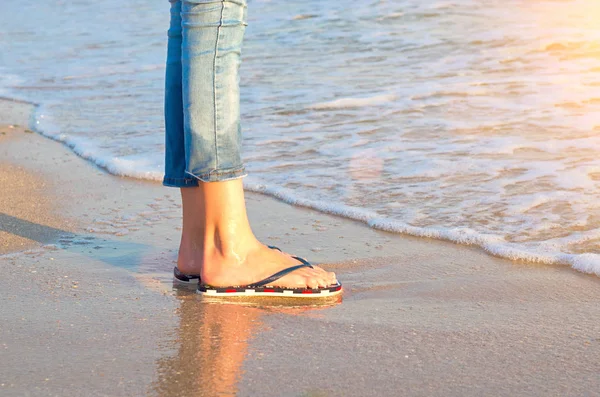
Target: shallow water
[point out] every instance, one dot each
(474, 121)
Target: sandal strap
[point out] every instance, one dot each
(279, 274)
(184, 277)
(304, 261)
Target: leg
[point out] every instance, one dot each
(217, 241)
(175, 160)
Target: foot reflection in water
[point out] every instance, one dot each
(211, 342)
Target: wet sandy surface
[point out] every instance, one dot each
(90, 308)
(29, 210)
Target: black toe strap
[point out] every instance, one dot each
(278, 275)
(304, 261)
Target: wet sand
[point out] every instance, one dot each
(89, 307)
(23, 197)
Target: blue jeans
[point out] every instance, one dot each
(202, 97)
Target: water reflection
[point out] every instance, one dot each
(212, 341)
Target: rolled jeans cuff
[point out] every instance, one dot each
(220, 175)
(180, 182)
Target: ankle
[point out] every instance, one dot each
(197, 251)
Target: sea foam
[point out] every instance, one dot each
(493, 244)
(348, 103)
(137, 166)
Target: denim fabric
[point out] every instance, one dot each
(202, 99)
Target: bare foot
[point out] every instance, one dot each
(218, 244)
(250, 264)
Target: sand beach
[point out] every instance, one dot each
(88, 307)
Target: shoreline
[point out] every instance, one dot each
(90, 308)
(588, 263)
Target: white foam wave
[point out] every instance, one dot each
(493, 244)
(141, 167)
(347, 103)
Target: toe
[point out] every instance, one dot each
(312, 283)
(325, 278)
(322, 283)
(332, 278)
(318, 279)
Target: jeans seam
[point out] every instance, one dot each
(231, 173)
(216, 113)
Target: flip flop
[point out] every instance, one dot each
(263, 288)
(185, 278)
(190, 279)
